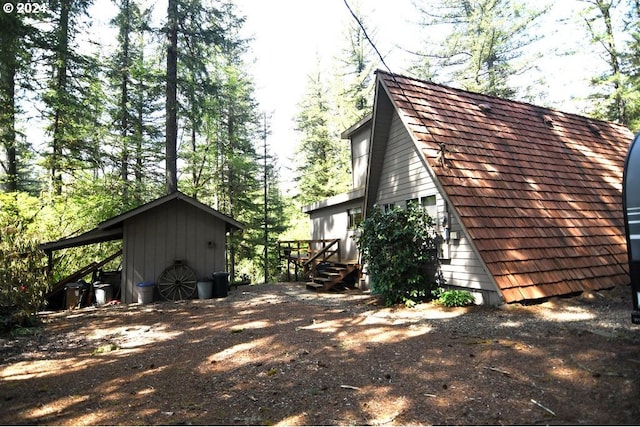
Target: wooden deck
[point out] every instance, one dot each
(316, 262)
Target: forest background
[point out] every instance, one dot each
(93, 125)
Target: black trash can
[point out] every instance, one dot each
(220, 284)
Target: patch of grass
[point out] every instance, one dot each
(106, 348)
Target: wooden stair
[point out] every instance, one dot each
(330, 274)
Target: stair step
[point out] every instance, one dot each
(332, 274)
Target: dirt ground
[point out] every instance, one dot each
(281, 355)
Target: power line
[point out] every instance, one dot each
(364, 31)
(391, 73)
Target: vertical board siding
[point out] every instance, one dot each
(155, 239)
(404, 176)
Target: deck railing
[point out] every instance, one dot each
(305, 255)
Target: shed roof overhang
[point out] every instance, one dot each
(93, 236)
(112, 229)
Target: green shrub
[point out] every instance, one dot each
(399, 250)
(23, 279)
(454, 298)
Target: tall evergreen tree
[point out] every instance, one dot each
(484, 41)
(135, 84)
(19, 40)
(12, 51)
(238, 136)
(73, 98)
(219, 111)
(613, 87)
(273, 222)
(121, 77)
(147, 104)
(193, 34)
(171, 106)
(198, 87)
(322, 167)
(357, 63)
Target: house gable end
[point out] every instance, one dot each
(537, 190)
(404, 176)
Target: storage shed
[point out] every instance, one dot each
(174, 229)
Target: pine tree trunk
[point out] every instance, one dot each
(139, 133)
(9, 181)
(125, 31)
(60, 89)
(614, 62)
(171, 105)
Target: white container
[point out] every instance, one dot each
(104, 293)
(145, 292)
(205, 289)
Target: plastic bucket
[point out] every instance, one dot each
(104, 293)
(205, 289)
(145, 292)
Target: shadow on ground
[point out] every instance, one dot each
(265, 356)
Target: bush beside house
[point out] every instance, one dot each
(399, 248)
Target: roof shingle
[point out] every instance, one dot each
(539, 191)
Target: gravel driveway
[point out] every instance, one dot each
(281, 355)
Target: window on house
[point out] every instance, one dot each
(388, 207)
(355, 217)
(428, 203)
(413, 203)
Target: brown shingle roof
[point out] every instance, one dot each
(539, 191)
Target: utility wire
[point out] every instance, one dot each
(393, 76)
(364, 31)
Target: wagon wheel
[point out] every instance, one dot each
(177, 282)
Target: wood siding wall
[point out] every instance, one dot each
(333, 223)
(404, 176)
(154, 240)
(360, 157)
